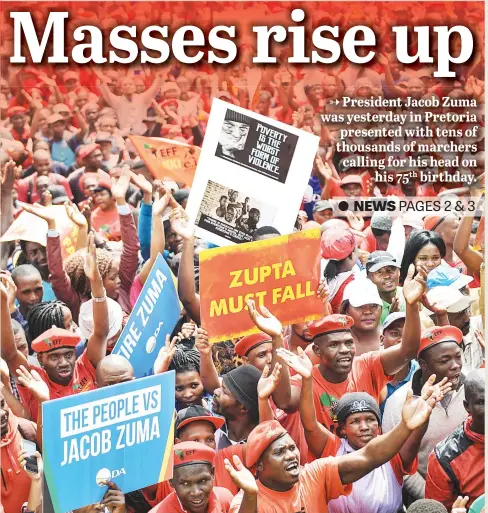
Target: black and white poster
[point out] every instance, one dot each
(252, 173)
(256, 145)
(231, 214)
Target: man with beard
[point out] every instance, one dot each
(284, 486)
(233, 135)
(63, 374)
(384, 271)
(193, 482)
(340, 371)
(439, 353)
(457, 464)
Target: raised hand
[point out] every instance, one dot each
(439, 390)
(43, 213)
(160, 203)
(40, 467)
(323, 291)
(267, 383)
(120, 186)
(414, 287)
(395, 304)
(188, 329)
(480, 338)
(355, 222)
(10, 173)
(383, 59)
(142, 182)
(114, 498)
(460, 504)
(34, 383)
(180, 223)
(90, 266)
(10, 288)
(264, 320)
(241, 476)
(74, 214)
(165, 355)
(202, 342)
(300, 362)
(323, 168)
(416, 410)
(433, 307)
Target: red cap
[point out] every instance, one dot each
(432, 222)
(260, 438)
(16, 110)
(330, 324)
(437, 335)
(54, 338)
(191, 453)
(337, 243)
(87, 149)
(352, 179)
(250, 342)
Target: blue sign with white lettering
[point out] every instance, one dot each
(121, 433)
(153, 317)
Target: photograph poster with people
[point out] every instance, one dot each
(250, 174)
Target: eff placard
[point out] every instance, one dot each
(122, 433)
(281, 274)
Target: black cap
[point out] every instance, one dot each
(355, 402)
(196, 413)
(243, 384)
(58, 194)
(232, 115)
(379, 259)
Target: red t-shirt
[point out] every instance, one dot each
(319, 483)
(83, 380)
(107, 223)
(367, 375)
(219, 502)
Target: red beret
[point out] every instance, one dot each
(432, 222)
(437, 335)
(330, 324)
(16, 110)
(250, 342)
(54, 338)
(87, 149)
(260, 438)
(337, 243)
(191, 453)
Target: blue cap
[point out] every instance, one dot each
(445, 275)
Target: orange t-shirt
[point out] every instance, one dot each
(219, 502)
(367, 375)
(319, 483)
(107, 223)
(83, 380)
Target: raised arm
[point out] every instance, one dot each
(416, 412)
(9, 173)
(395, 357)
(80, 135)
(79, 220)
(97, 343)
(266, 386)
(186, 272)
(315, 434)
(10, 354)
(472, 258)
(208, 372)
(58, 277)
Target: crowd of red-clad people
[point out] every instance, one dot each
(378, 407)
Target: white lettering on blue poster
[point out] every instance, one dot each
(121, 433)
(154, 316)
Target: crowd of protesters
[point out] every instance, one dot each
(378, 407)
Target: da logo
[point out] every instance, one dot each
(105, 474)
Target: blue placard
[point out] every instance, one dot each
(123, 433)
(153, 317)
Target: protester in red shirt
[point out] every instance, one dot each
(457, 464)
(60, 370)
(193, 482)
